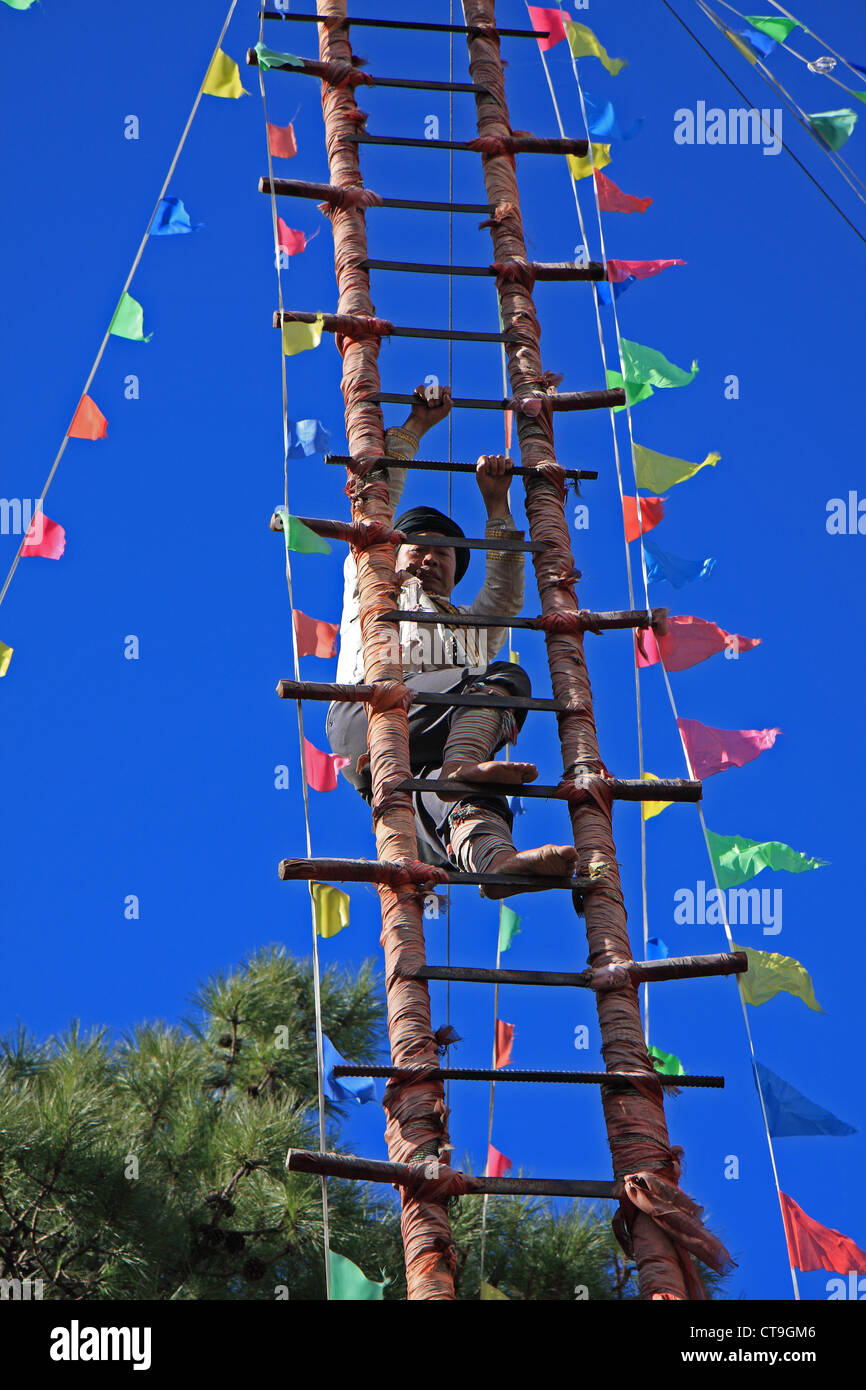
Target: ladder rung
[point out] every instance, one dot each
(364, 871)
(329, 1165)
(329, 690)
(332, 323)
(641, 972)
(564, 400)
(639, 618)
(311, 68)
(351, 22)
(567, 1078)
(563, 146)
(299, 188)
(553, 270)
(621, 789)
(447, 466)
(323, 526)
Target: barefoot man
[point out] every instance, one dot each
(451, 743)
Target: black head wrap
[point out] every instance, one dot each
(428, 521)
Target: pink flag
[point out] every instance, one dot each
(813, 1246)
(45, 538)
(290, 241)
(551, 20)
(621, 270)
(715, 750)
(651, 512)
(497, 1164)
(612, 199)
(688, 641)
(322, 768)
(314, 636)
(281, 141)
(504, 1043)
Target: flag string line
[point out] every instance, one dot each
(783, 43)
(317, 986)
(133, 268)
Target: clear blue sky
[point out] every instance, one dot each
(156, 777)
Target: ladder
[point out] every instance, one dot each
(657, 1224)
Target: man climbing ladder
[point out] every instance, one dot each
(450, 742)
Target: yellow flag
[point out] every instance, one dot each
(658, 472)
(5, 657)
(769, 974)
(515, 657)
(298, 337)
(332, 909)
(223, 77)
(580, 165)
(489, 1292)
(648, 809)
(584, 44)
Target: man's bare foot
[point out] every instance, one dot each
(497, 775)
(548, 861)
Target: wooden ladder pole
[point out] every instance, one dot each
(416, 1130)
(636, 1127)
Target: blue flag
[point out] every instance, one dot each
(604, 288)
(307, 437)
(172, 219)
(603, 124)
(762, 42)
(359, 1089)
(656, 949)
(517, 806)
(661, 566)
(789, 1112)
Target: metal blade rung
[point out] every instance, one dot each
(641, 971)
(554, 270)
(621, 789)
(612, 621)
(567, 1078)
(351, 22)
(330, 690)
(457, 335)
(447, 466)
(349, 1166)
(565, 400)
(299, 188)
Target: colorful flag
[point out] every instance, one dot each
(641, 270)
(612, 199)
(607, 293)
(88, 422)
(656, 949)
(791, 1113)
(666, 1062)
(761, 42)
(549, 20)
(715, 750)
(813, 1246)
(299, 337)
(281, 141)
(359, 1089)
(491, 1294)
(19, 4)
(172, 219)
(673, 569)
(658, 472)
(299, 537)
(314, 637)
(331, 909)
(584, 44)
(128, 321)
(581, 166)
(290, 240)
(514, 658)
(504, 1043)
(269, 58)
(509, 927)
(834, 127)
(687, 642)
(517, 806)
(770, 974)
(602, 123)
(645, 366)
(737, 859)
(307, 437)
(223, 77)
(775, 26)
(5, 657)
(348, 1284)
(648, 809)
(651, 512)
(322, 768)
(44, 538)
(497, 1164)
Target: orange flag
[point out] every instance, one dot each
(281, 141)
(651, 512)
(504, 1043)
(314, 636)
(88, 422)
(813, 1246)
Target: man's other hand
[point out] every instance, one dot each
(494, 479)
(432, 404)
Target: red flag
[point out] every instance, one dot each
(715, 750)
(813, 1246)
(497, 1164)
(281, 141)
(45, 538)
(551, 20)
(290, 241)
(612, 199)
(651, 512)
(688, 641)
(322, 768)
(88, 422)
(504, 1043)
(314, 636)
(621, 270)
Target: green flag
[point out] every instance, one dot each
(650, 367)
(128, 321)
(658, 472)
(774, 27)
(19, 4)
(5, 657)
(634, 392)
(737, 859)
(299, 537)
(349, 1284)
(835, 127)
(509, 927)
(269, 58)
(770, 974)
(666, 1062)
